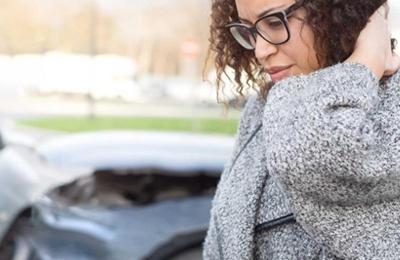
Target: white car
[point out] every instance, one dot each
(119, 195)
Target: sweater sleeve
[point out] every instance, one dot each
(334, 134)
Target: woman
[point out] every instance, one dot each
(316, 169)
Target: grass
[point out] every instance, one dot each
(82, 124)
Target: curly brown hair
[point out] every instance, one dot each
(336, 25)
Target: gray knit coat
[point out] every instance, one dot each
(326, 147)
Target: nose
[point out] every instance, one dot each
(264, 49)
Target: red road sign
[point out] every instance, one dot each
(190, 48)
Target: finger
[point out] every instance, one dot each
(394, 65)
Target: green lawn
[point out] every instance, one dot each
(80, 124)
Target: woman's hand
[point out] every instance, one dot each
(373, 48)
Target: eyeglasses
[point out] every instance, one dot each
(273, 28)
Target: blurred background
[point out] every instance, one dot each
(72, 66)
(63, 62)
(76, 65)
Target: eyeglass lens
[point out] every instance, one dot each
(272, 29)
(244, 37)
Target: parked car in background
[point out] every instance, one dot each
(119, 195)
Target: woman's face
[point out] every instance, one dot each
(295, 57)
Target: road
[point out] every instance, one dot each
(36, 106)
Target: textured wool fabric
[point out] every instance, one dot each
(286, 241)
(333, 145)
(326, 147)
(231, 231)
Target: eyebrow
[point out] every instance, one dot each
(262, 13)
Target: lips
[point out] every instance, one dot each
(278, 73)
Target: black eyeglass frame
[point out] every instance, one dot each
(280, 15)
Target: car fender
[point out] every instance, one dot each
(24, 177)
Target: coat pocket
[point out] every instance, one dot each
(287, 240)
(268, 225)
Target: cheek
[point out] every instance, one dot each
(305, 55)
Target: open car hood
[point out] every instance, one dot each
(175, 152)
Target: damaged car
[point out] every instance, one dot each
(114, 195)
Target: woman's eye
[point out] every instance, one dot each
(275, 24)
(271, 23)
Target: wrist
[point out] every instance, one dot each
(375, 64)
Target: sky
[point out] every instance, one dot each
(394, 15)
